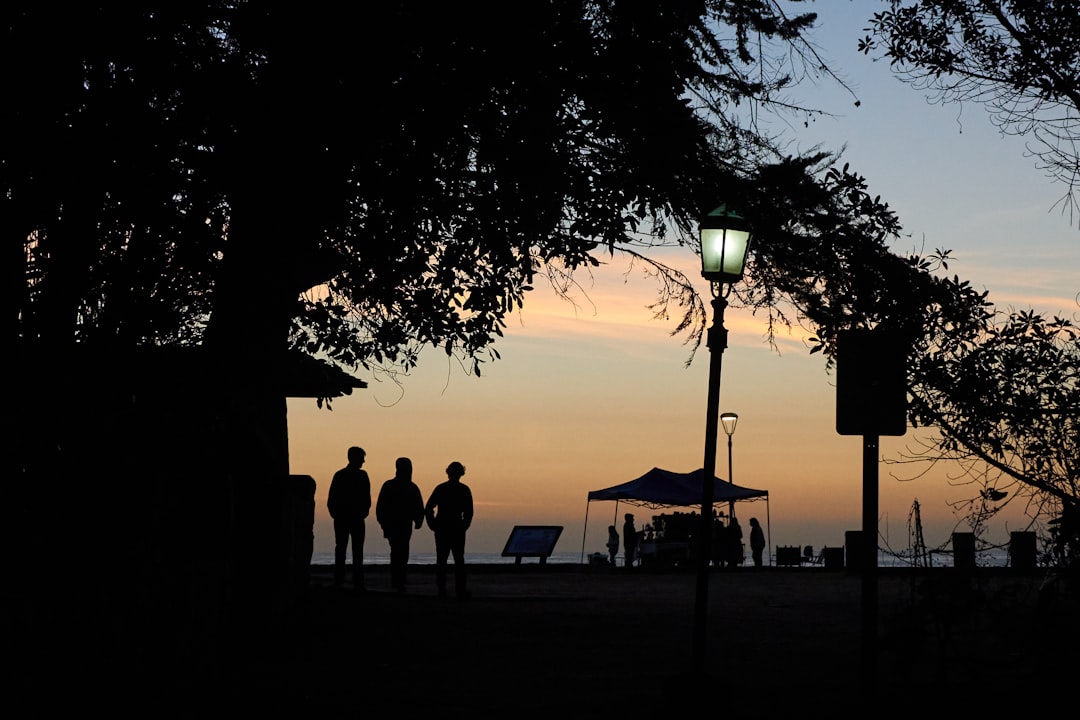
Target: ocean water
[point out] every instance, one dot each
(997, 557)
(383, 558)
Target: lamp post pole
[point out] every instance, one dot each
(729, 420)
(725, 238)
(717, 342)
(731, 503)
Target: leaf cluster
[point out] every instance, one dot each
(1019, 59)
(365, 187)
(183, 174)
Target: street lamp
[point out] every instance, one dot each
(725, 238)
(729, 420)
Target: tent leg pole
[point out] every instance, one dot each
(768, 523)
(615, 522)
(584, 532)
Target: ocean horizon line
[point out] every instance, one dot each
(997, 557)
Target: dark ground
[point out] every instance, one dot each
(573, 641)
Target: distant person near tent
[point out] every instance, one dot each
(612, 543)
(757, 541)
(630, 541)
(719, 550)
(663, 489)
(734, 539)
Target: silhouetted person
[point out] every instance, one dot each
(719, 551)
(398, 510)
(449, 512)
(349, 502)
(757, 541)
(630, 540)
(612, 543)
(734, 540)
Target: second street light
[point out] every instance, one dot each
(725, 238)
(729, 420)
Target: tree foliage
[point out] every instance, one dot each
(1019, 59)
(110, 226)
(1003, 405)
(171, 161)
(181, 174)
(250, 177)
(1001, 400)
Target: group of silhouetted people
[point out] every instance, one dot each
(630, 542)
(727, 542)
(728, 548)
(399, 509)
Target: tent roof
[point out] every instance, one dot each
(663, 488)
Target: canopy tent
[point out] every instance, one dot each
(663, 489)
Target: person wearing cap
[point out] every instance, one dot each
(449, 513)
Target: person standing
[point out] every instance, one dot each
(630, 539)
(734, 542)
(449, 513)
(757, 541)
(399, 508)
(718, 551)
(612, 544)
(349, 502)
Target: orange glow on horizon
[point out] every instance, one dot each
(579, 403)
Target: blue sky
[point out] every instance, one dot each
(955, 181)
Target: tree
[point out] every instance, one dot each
(419, 170)
(1017, 58)
(177, 177)
(1003, 404)
(1001, 400)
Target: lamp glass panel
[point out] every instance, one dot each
(723, 250)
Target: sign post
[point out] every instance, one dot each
(871, 400)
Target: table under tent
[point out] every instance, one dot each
(670, 539)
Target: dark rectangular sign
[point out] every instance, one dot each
(532, 541)
(871, 383)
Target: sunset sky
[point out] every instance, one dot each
(587, 397)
